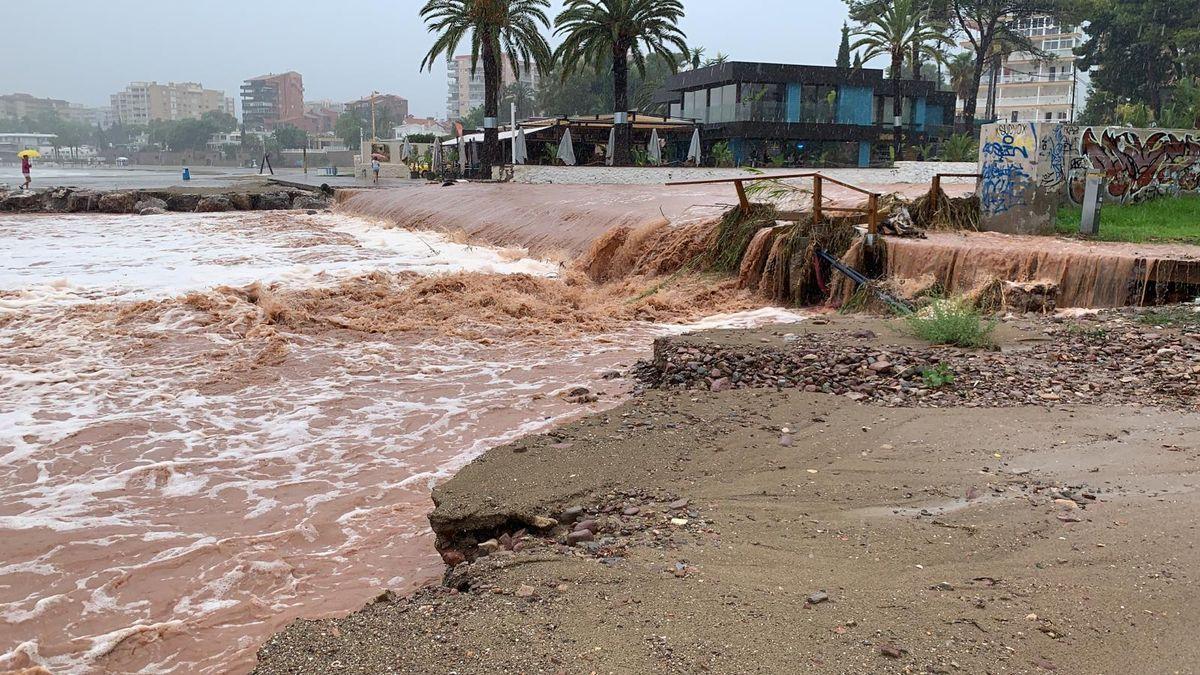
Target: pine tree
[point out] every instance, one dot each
(858, 60)
(843, 57)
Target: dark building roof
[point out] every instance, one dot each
(783, 73)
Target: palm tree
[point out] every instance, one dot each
(496, 27)
(891, 32)
(596, 31)
(693, 57)
(522, 94)
(961, 68)
(720, 58)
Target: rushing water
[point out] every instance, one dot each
(173, 490)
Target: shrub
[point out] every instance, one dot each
(951, 321)
(938, 376)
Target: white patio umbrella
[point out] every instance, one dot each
(462, 156)
(694, 148)
(610, 152)
(436, 158)
(521, 153)
(654, 151)
(566, 152)
(406, 151)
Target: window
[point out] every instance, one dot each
(1062, 115)
(1049, 116)
(818, 103)
(1015, 115)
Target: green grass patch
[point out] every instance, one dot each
(938, 376)
(1165, 219)
(951, 321)
(1180, 316)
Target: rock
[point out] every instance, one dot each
(525, 591)
(241, 201)
(214, 204)
(589, 525)
(490, 546)
(118, 202)
(891, 651)
(631, 511)
(453, 558)
(679, 521)
(83, 201)
(152, 211)
(881, 366)
(579, 536)
(611, 375)
(271, 201)
(146, 203)
(303, 201)
(572, 513)
(817, 598)
(1066, 504)
(678, 504)
(543, 522)
(21, 201)
(720, 384)
(680, 570)
(186, 202)
(943, 586)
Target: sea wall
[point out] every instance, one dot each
(1030, 168)
(903, 172)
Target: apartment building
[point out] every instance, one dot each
(26, 105)
(142, 102)
(465, 90)
(1028, 89)
(270, 100)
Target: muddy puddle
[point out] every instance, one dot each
(189, 459)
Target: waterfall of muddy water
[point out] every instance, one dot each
(188, 462)
(562, 221)
(1088, 274)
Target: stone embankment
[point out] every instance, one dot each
(146, 202)
(1110, 359)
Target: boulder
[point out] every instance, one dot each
(56, 199)
(118, 202)
(21, 201)
(241, 201)
(82, 201)
(147, 203)
(214, 204)
(182, 202)
(151, 211)
(270, 201)
(306, 202)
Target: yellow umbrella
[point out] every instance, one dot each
(29, 153)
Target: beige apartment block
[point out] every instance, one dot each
(142, 102)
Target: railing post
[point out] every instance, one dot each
(937, 183)
(816, 212)
(872, 217)
(742, 200)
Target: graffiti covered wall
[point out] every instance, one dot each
(1011, 196)
(1137, 164)
(1030, 168)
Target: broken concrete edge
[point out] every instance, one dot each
(81, 200)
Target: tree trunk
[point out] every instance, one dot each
(622, 134)
(969, 102)
(916, 61)
(491, 106)
(897, 105)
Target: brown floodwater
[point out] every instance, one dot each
(190, 459)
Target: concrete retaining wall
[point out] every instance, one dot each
(903, 172)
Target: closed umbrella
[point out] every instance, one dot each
(462, 156)
(522, 153)
(694, 148)
(612, 141)
(406, 151)
(566, 152)
(436, 158)
(654, 151)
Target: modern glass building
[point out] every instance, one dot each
(788, 115)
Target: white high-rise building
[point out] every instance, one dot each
(1032, 90)
(465, 91)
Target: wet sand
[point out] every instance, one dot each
(770, 531)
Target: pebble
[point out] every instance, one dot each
(678, 504)
(818, 597)
(579, 536)
(679, 521)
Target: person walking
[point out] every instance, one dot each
(26, 169)
(375, 170)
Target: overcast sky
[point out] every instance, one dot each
(84, 50)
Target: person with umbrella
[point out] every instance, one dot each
(27, 166)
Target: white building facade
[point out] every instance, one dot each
(1029, 89)
(464, 90)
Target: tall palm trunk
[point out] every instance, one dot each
(491, 105)
(897, 102)
(622, 134)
